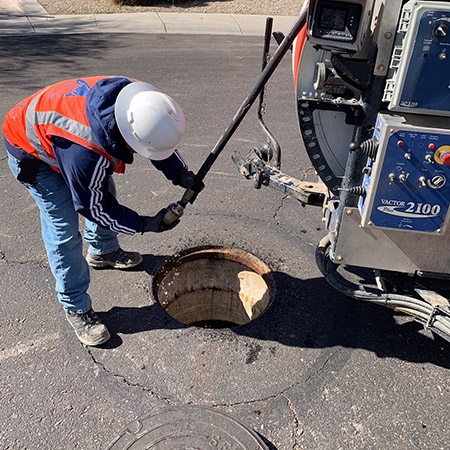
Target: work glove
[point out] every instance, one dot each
(187, 181)
(155, 223)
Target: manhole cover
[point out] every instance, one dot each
(213, 286)
(187, 428)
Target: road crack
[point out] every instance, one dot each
(307, 171)
(287, 389)
(162, 22)
(298, 428)
(320, 368)
(39, 263)
(277, 211)
(236, 22)
(127, 382)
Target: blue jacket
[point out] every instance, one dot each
(87, 173)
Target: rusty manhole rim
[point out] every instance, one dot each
(213, 252)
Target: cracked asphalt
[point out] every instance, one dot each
(316, 371)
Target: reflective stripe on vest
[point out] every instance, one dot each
(33, 137)
(52, 117)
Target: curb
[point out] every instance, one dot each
(23, 17)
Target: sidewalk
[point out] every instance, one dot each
(23, 17)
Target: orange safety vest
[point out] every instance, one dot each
(56, 110)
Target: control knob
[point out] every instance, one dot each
(441, 31)
(437, 182)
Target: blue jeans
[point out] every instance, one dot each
(62, 239)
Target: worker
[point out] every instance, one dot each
(64, 142)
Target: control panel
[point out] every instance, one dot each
(419, 78)
(407, 183)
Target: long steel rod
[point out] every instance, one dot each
(248, 102)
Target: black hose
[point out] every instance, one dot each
(431, 317)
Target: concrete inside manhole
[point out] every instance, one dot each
(213, 287)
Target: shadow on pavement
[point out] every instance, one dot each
(305, 313)
(269, 444)
(55, 54)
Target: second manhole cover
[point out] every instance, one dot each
(187, 428)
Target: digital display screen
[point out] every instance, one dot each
(333, 19)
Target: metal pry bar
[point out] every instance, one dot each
(248, 102)
(273, 147)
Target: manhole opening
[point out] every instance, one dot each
(213, 287)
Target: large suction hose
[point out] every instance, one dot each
(434, 318)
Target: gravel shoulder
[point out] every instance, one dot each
(272, 7)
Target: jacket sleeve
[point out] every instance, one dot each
(88, 176)
(172, 167)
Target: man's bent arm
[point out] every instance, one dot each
(88, 176)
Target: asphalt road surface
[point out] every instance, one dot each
(316, 371)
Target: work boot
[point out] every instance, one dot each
(88, 328)
(118, 259)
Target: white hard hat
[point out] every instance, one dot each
(152, 123)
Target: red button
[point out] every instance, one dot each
(400, 143)
(431, 146)
(446, 159)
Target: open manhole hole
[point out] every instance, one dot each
(213, 287)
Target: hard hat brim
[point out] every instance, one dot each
(121, 108)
